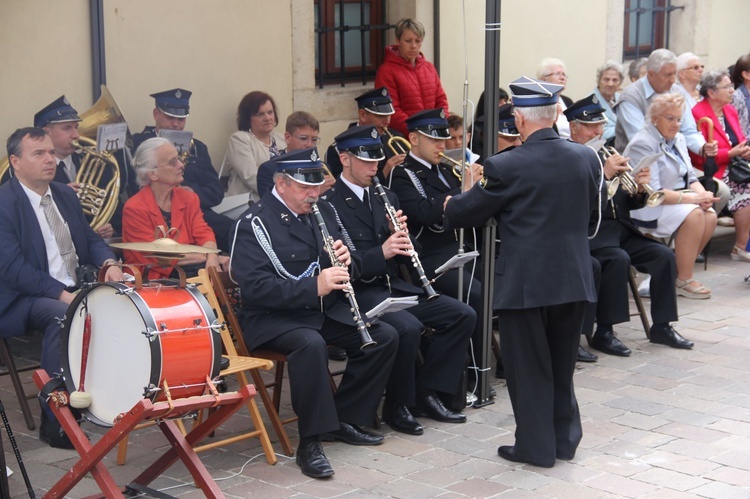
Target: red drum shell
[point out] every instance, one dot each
(123, 362)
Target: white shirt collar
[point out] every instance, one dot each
(34, 198)
(428, 165)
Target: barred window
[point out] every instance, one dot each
(646, 27)
(350, 40)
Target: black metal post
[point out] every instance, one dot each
(98, 56)
(491, 96)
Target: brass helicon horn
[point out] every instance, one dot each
(98, 201)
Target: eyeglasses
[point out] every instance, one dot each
(725, 87)
(673, 119)
(697, 67)
(305, 138)
(174, 162)
(556, 73)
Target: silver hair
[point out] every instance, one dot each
(660, 58)
(684, 59)
(283, 175)
(661, 102)
(711, 80)
(538, 114)
(545, 64)
(634, 71)
(610, 64)
(144, 161)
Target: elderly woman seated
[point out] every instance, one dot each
(163, 208)
(686, 211)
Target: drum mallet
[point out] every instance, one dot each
(79, 398)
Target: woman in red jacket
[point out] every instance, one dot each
(161, 202)
(717, 90)
(412, 81)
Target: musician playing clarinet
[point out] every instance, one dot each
(364, 208)
(294, 304)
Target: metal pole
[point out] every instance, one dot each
(491, 96)
(98, 56)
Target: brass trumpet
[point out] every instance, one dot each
(456, 170)
(398, 145)
(629, 184)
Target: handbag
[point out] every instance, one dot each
(739, 170)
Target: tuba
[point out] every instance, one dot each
(99, 172)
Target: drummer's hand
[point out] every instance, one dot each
(105, 231)
(66, 297)
(224, 262)
(213, 260)
(114, 274)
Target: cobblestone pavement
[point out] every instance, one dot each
(662, 423)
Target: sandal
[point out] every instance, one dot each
(691, 288)
(740, 255)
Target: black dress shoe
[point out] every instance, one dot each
(508, 452)
(312, 461)
(398, 417)
(666, 335)
(429, 405)
(607, 342)
(353, 435)
(336, 353)
(585, 356)
(52, 433)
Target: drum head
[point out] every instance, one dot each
(119, 358)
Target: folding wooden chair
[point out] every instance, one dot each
(641, 309)
(239, 365)
(23, 400)
(228, 294)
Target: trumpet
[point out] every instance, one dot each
(457, 166)
(364, 335)
(398, 145)
(415, 261)
(629, 184)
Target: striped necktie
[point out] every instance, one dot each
(62, 236)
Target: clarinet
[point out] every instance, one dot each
(364, 335)
(415, 261)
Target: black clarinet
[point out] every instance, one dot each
(364, 335)
(415, 261)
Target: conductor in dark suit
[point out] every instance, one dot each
(45, 237)
(541, 194)
(363, 214)
(618, 244)
(294, 304)
(171, 110)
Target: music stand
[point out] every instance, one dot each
(181, 448)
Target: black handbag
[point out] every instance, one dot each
(739, 170)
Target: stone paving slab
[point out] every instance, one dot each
(662, 423)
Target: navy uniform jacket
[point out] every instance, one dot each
(616, 222)
(368, 230)
(24, 273)
(334, 163)
(200, 174)
(424, 213)
(542, 212)
(271, 304)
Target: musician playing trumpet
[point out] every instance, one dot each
(619, 244)
(375, 108)
(365, 209)
(294, 304)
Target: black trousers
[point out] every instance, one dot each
(358, 395)
(43, 316)
(612, 292)
(453, 323)
(540, 346)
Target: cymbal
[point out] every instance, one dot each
(164, 246)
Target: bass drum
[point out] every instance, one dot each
(140, 338)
